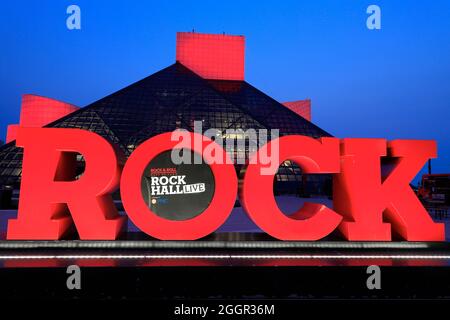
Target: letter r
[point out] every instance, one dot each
(49, 191)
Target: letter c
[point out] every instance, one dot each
(313, 221)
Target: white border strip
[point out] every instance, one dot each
(224, 257)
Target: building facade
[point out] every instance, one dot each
(205, 84)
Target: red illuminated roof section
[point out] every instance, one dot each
(11, 132)
(300, 107)
(212, 56)
(38, 111)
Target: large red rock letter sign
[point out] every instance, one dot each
(372, 198)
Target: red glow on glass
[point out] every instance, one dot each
(300, 107)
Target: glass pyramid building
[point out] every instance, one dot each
(174, 98)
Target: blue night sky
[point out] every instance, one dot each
(391, 83)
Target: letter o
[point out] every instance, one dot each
(163, 181)
(158, 227)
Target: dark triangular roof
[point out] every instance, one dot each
(172, 98)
